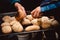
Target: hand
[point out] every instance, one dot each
(21, 14)
(21, 11)
(36, 12)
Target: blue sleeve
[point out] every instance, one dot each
(13, 1)
(50, 6)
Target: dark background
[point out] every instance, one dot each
(5, 5)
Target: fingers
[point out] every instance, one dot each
(36, 12)
(21, 11)
(22, 14)
(34, 15)
(33, 12)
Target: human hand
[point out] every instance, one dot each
(36, 12)
(21, 11)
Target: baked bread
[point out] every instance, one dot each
(32, 28)
(6, 29)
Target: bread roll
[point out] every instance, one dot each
(13, 22)
(5, 24)
(55, 23)
(29, 17)
(45, 22)
(6, 19)
(35, 22)
(6, 29)
(17, 27)
(13, 19)
(46, 25)
(26, 22)
(44, 18)
(32, 27)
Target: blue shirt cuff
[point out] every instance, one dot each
(13, 1)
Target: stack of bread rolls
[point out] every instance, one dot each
(11, 24)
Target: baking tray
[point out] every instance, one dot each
(14, 33)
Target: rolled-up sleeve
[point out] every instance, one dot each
(13, 1)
